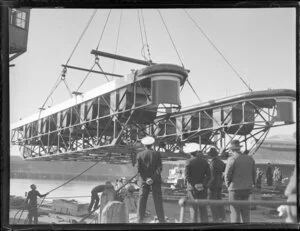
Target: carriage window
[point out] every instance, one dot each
(18, 18)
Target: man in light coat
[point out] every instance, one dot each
(239, 179)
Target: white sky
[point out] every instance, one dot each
(259, 43)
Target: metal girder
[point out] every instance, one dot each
(98, 131)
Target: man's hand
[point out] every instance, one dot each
(149, 181)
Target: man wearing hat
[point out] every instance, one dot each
(31, 203)
(239, 179)
(149, 166)
(215, 184)
(197, 174)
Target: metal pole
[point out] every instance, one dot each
(98, 72)
(121, 58)
(235, 202)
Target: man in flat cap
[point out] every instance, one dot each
(215, 184)
(149, 166)
(197, 174)
(239, 179)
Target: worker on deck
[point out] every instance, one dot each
(149, 166)
(31, 204)
(197, 173)
(108, 186)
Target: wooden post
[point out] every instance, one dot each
(113, 212)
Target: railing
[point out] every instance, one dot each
(184, 202)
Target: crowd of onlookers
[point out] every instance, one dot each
(203, 179)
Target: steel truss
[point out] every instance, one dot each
(109, 127)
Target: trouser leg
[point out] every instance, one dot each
(221, 207)
(218, 211)
(29, 217)
(158, 202)
(35, 216)
(202, 208)
(143, 197)
(92, 202)
(234, 209)
(193, 209)
(96, 201)
(245, 209)
(214, 208)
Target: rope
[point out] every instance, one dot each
(142, 38)
(171, 38)
(146, 36)
(102, 71)
(74, 177)
(58, 81)
(103, 29)
(86, 77)
(86, 27)
(70, 92)
(117, 40)
(211, 42)
(194, 90)
(59, 187)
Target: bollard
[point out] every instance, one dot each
(113, 212)
(104, 199)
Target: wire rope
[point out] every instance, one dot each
(86, 76)
(58, 81)
(218, 50)
(145, 32)
(101, 36)
(141, 33)
(117, 43)
(170, 37)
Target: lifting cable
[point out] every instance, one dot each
(86, 27)
(103, 30)
(96, 58)
(86, 77)
(170, 37)
(117, 43)
(62, 75)
(211, 42)
(67, 86)
(183, 65)
(145, 32)
(142, 38)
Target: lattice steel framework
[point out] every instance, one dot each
(109, 127)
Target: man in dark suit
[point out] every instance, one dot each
(149, 167)
(215, 184)
(197, 174)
